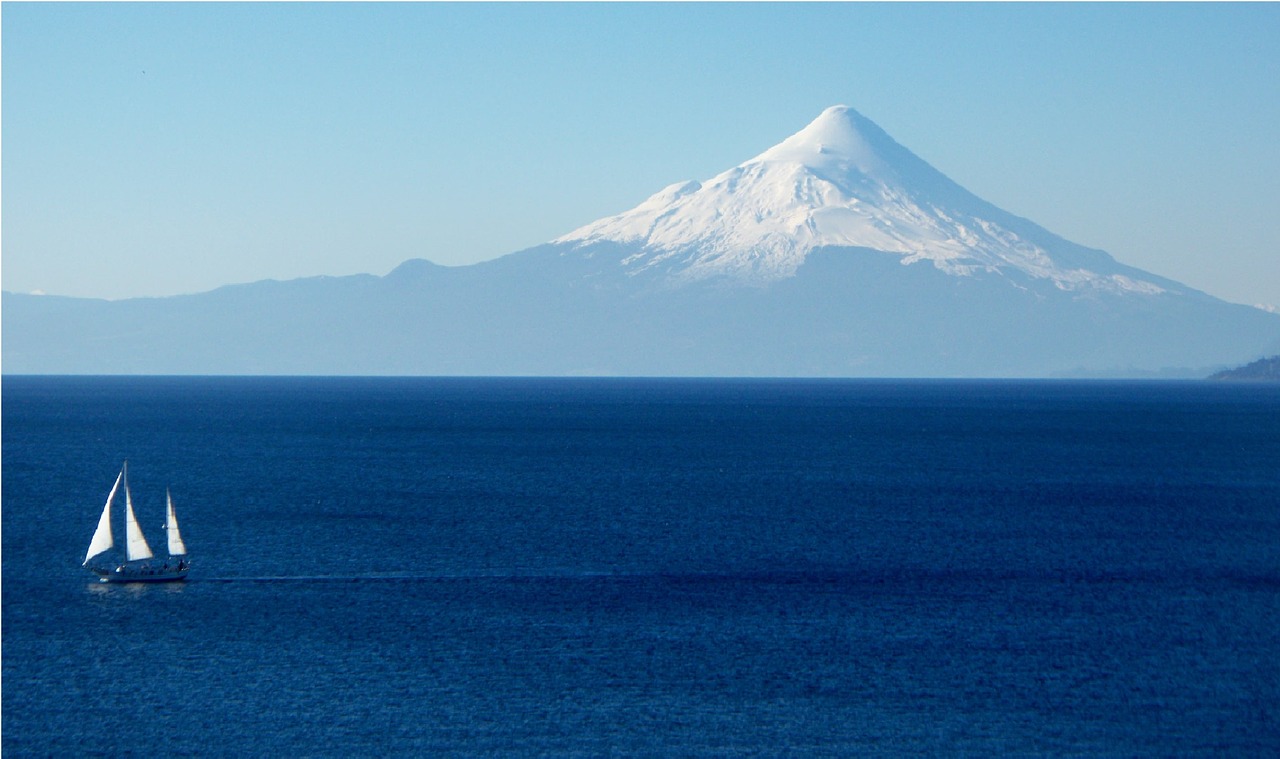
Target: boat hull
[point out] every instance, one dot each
(141, 573)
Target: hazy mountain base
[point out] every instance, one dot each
(561, 310)
(1262, 370)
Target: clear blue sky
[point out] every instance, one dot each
(155, 149)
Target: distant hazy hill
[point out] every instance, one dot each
(837, 252)
(1262, 370)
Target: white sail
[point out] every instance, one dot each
(137, 544)
(176, 547)
(102, 540)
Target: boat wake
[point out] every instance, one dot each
(414, 576)
(322, 578)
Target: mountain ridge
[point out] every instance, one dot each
(836, 252)
(1263, 370)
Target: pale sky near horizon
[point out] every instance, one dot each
(154, 149)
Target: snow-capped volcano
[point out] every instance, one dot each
(841, 182)
(836, 253)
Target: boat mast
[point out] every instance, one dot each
(137, 544)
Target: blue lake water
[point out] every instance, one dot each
(652, 567)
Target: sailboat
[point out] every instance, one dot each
(140, 564)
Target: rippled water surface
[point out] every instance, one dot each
(419, 566)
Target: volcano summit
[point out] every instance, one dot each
(837, 252)
(842, 182)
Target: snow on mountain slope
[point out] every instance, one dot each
(839, 182)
